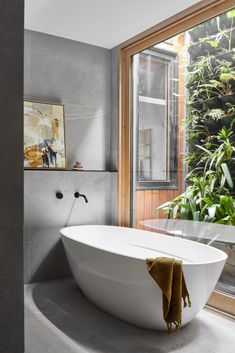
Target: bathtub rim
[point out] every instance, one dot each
(223, 255)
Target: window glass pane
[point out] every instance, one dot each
(152, 76)
(184, 138)
(156, 114)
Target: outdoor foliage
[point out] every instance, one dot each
(209, 196)
(210, 126)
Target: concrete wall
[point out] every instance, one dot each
(11, 177)
(45, 215)
(114, 126)
(78, 76)
(114, 132)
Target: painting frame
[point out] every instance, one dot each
(49, 104)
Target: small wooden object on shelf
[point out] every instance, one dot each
(78, 166)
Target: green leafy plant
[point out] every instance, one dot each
(207, 87)
(209, 196)
(210, 191)
(222, 86)
(199, 71)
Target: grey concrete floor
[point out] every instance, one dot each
(59, 319)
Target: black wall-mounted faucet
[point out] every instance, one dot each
(77, 195)
(59, 195)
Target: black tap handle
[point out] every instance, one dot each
(59, 195)
(76, 194)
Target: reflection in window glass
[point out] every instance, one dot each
(184, 138)
(156, 117)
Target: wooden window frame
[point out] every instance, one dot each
(184, 20)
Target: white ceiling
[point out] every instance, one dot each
(105, 23)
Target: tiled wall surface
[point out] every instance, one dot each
(45, 215)
(11, 177)
(77, 75)
(114, 127)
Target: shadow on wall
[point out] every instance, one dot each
(45, 215)
(54, 262)
(65, 306)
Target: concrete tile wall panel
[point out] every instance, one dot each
(77, 75)
(10, 55)
(11, 290)
(43, 209)
(45, 215)
(11, 177)
(93, 134)
(114, 128)
(113, 198)
(46, 256)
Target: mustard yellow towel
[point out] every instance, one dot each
(168, 274)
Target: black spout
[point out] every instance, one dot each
(77, 195)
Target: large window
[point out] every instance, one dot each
(181, 129)
(155, 118)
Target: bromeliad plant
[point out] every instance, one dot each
(209, 196)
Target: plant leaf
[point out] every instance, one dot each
(205, 150)
(213, 181)
(175, 211)
(227, 174)
(212, 211)
(196, 216)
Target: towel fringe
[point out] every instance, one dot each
(185, 299)
(177, 324)
(169, 328)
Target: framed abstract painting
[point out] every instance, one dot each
(44, 136)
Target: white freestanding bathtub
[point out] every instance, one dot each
(109, 266)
